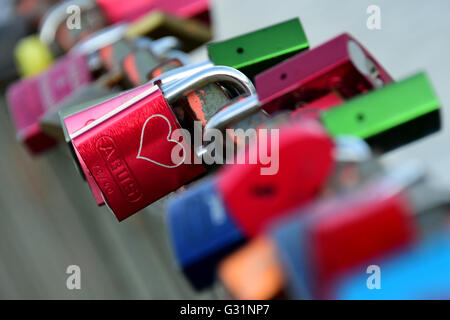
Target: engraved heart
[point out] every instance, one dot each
(144, 128)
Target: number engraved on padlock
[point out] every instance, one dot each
(118, 169)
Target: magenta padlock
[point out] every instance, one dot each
(341, 67)
(128, 150)
(118, 10)
(30, 98)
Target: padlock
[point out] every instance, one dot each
(426, 266)
(129, 175)
(259, 50)
(76, 117)
(341, 66)
(202, 235)
(97, 14)
(390, 117)
(29, 99)
(194, 105)
(253, 272)
(265, 198)
(116, 10)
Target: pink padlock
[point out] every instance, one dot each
(118, 10)
(30, 98)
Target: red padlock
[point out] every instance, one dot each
(78, 120)
(128, 149)
(272, 194)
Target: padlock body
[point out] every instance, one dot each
(202, 232)
(388, 118)
(118, 10)
(331, 67)
(76, 117)
(129, 155)
(30, 98)
(257, 51)
(304, 161)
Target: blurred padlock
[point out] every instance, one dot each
(93, 15)
(29, 99)
(133, 175)
(426, 265)
(117, 11)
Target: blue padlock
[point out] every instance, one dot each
(202, 232)
(420, 273)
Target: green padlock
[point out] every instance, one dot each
(389, 117)
(257, 51)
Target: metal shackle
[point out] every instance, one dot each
(57, 15)
(100, 39)
(220, 74)
(234, 112)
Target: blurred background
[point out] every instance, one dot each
(49, 220)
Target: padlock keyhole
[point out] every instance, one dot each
(240, 50)
(360, 117)
(264, 190)
(283, 76)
